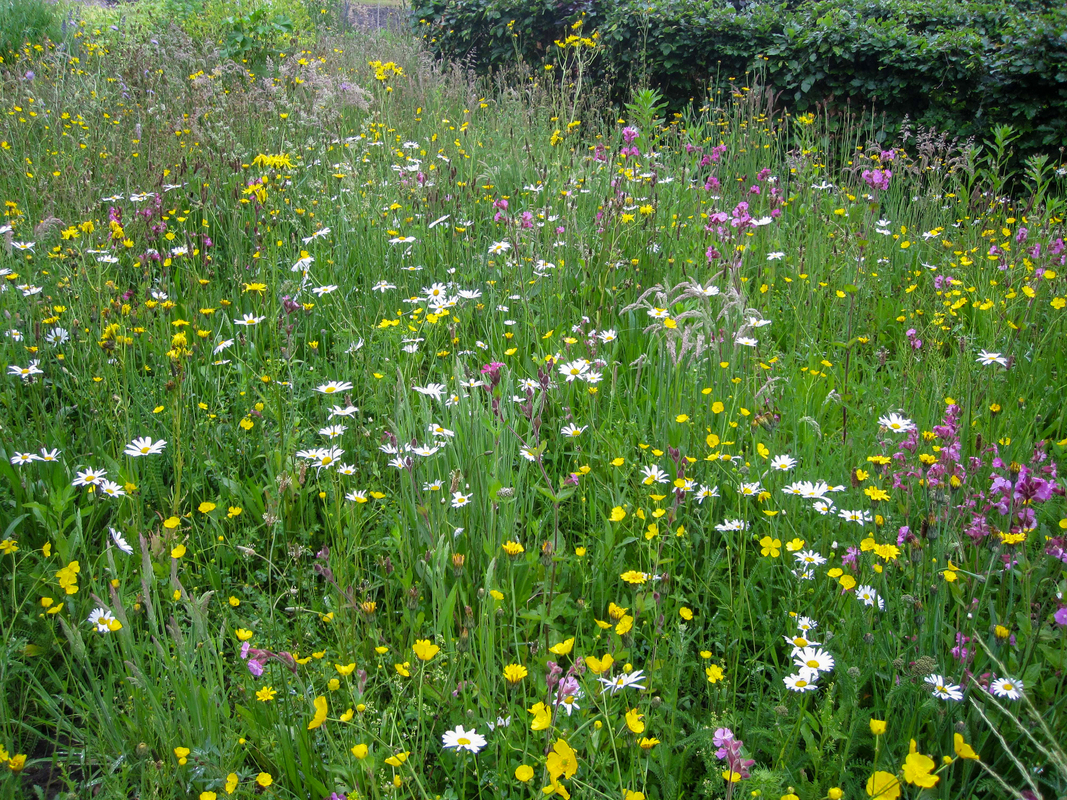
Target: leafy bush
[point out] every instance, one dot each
(956, 65)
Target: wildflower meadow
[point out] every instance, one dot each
(374, 429)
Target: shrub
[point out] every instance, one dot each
(957, 65)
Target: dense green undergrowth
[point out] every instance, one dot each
(958, 66)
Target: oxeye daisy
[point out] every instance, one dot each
(813, 660)
(434, 390)
(783, 463)
(869, 597)
(112, 489)
(988, 359)
(625, 680)
(653, 474)
(102, 620)
(120, 541)
(731, 525)
(799, 642)
(459, 499)
(25, 372)
(573, 370)
(144, 446)
(24, 458)
(896, 423)
(800, 683)
(809, 557)
(858, 517)
(327, 457)
(333, 387)
(943, 689)
(706, 492)
(572, 431)
(1007, 687)
(461, 739)
(88, 477)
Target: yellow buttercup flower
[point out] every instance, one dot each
(320, 713)
(398, 759)
(424, 649)
(563, 648)
(562, 761)
(599, 666)
(634, 721)
(542, 717)
(963, 750)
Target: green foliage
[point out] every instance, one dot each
(24, 22)
(254, 37)
(954, 65)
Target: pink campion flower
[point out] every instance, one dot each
(1057, 548)
(959, 652)
(877, 178)
(629, 134)
(1060, 617)
(712, 253)
(905, 536)
(722, 735)
(553, 676)
(850, 556)
(730, 751)
(740, 216)
(568, 687)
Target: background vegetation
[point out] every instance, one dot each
(959, 66)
